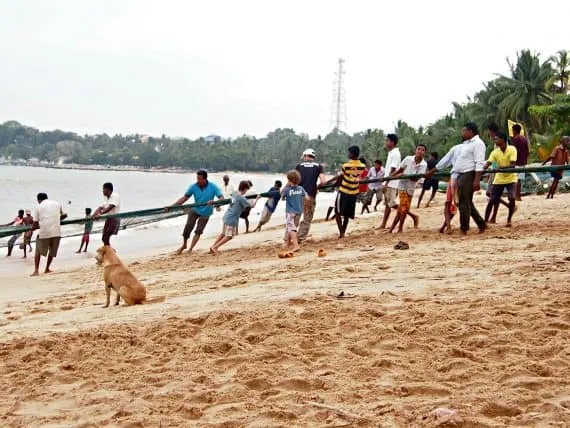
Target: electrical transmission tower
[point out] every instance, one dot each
(338, 110)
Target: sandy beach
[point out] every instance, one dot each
(476, 327)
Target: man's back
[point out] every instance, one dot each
(48, 216)
(521, 144)
(310, 172)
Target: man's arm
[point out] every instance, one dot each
(8, 224)
(479, 158)
(62, 215)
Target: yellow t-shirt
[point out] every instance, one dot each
(350, 175)
(503, 160)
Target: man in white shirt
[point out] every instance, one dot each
(374, 188)
(411, 165)
(391, 187)
(469, 164)
(227, 188)
(111, 205)
(47, 218)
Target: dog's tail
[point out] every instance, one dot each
(159, 299)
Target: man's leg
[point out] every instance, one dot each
(465, 183)
(37, 257)
(188, 227)
(481, 224)
(338, 223)
(421, 196)
(246, 224)
(329, 212)
(511, 193)
(11, 244)
(433, 192)
(200, 226)
(308, 213)
(554, 187)
(49, 260)
(344, 225)
(518, 191)
(395, 222)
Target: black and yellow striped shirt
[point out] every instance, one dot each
(350, 175)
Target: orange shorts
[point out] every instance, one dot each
(405, 202)
(451, 196)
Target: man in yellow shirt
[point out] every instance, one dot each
(505, 157)
(348, 189)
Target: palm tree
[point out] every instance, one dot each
(559, 81)
(525, 86)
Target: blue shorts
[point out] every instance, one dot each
(556, 174)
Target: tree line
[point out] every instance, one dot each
(534, 93)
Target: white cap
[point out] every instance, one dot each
(309, 152)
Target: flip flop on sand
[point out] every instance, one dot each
(342, 295)
(368, 248)
(401, 246)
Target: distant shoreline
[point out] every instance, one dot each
(125, 168)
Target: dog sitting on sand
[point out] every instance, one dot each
(120, 278)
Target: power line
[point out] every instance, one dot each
(338, 120)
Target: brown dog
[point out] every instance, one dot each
(120, 278)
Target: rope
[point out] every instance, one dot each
(164, 213)
(178, 210)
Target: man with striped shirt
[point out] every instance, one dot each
(348, 189)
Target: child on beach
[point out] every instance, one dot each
(231, 218)
(86, 231)
(559, 156)
(409, 166)
(294, 196)
(270, 205)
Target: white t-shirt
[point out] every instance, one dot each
(48, 215)
(411, 167)
(372, 173)
(228, 191)
(393, 161)
(112, 200)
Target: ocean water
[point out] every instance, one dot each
(78, 189)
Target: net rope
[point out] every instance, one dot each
(137, 218)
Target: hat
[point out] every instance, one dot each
(28, 212)
(309, 152)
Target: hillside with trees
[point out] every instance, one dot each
(534, 92)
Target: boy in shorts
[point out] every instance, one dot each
(294, 196)
(559, 156)
(270, 205)
(86, 231)
(409, 166)
(231, 218)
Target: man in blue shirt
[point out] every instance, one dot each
(203, 192)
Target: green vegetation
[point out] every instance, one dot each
(535, 93)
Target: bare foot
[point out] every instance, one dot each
(509, 224)
(214, 251)
(295, 249)
(36, 273)
(341, 236)
(416, 222)
(463, 232)
(48, 271)
(179, 251)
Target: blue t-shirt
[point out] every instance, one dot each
(238, 204)
(272, 201)
(294, 199)
(202, 196)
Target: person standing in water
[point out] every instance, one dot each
(18, 221)
(86, 231)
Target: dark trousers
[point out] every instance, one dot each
(466, 207)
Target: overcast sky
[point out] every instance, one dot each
(192, 68)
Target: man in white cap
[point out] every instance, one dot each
(311, 173)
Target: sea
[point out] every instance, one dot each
(77, 189)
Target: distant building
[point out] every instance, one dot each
(212, 138)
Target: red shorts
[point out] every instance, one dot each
(451, 196)
(85, 238)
